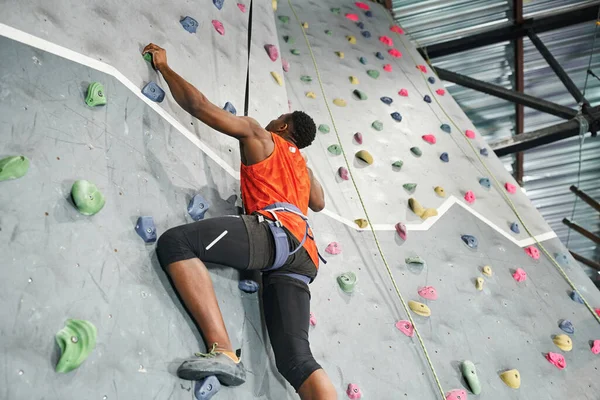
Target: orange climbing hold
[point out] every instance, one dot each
(429, 139)
(422, 68)
(386, 40)
(362, 6)
(352, 17)
(394, 53)
(397, 29)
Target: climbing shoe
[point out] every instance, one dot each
(216, 362)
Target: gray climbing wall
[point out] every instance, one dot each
(150, 160)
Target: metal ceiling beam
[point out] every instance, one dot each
(519, 87)
(585, 197)
(589, 263)
(512, 32)
(581, 230)
(506, 94)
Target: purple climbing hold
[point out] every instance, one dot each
(360, 25)
(153, 92)
(272, 51)
(343, 173)
(333, 248)
(574, 295)
(146, 229)
(427, 99)
(206, 388)
(431, 79)
(515, 227)
(444, 157)
(470, 241)
(358, 137)
(386, 100)
(229, 107)
(218, 3)
(285, 64)
(368, 13)
(248, 286)
(197, 207)
(483, 151)
(401, 230)
(379, 55)
(353, 392)
(396, 115)
(366, 34)
(566, 326)
(189, 24)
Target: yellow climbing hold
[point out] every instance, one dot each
(274, 4)
(563, 342)
(440, 191)
(365, 156)
(311, 95)
(339, 102)
(512, 378)
(419, 308)
(361, 222)
(277, 78)
(354, 80)
(479, 283)
(487, 270)
(351, 39)
(422, 212)
(305, 25)
(340, 54)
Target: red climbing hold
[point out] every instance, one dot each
(218, 26)
(387, 67)
(406, 327)
(401, 230)
(429, 139)
(313, 319)
(557, 360)
(456, 394)
(242, 7)
(532, 252)
(285, 64)
(362, 6)
(386, 40)
(394, 53)
(353, 391)
(343, 173)
(597, 310)
(510, 188)
(595, 347)
(333, 248)
(403, 92)
(441, 92)
(428, 292)
(470, 197)
(422, 68)
(397, 29)
(520, 275)
(352, 17)
(470, 134)
(358, 137)
(272, 51)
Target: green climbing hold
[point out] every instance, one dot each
(305, 78)
(373, 73)
(335, 149)
(87, 197)
(364, 156)
(13, 167)
(284, 18)
(148, 57)
(347, 281)
(95, 95)
(335, 10)
(398, 164)
(289, 39)
(377, 125)
(363, 60)
(295, 52)
(76, 341)
(416, 151)
(470, 374)
(324, 128)
(414, 260)
(359, 94)
(410, 186)
(328, 32)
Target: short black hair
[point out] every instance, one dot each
(304, 129)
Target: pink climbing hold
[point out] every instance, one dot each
(333, 248)
(272, 51)
(596, 347)
(406, 327)
(520, 275)
(401, 229)
(422, 68)
(441, 92)
(353, 391)
(429, 139)
(510, 188)
(352, 17)
(242, 7)
(470, 134)
(557, 360)
(386, 40)
(362, 6)
(285, 64)
(397, 29)
(532, 252)
(456, 394)
(470, 197)
(395, 53)
(597, 310)
(387, 67)
(358, 137)
(428, 292)
(218, 26)
(313, 319)
(343, 173)
(403, 92)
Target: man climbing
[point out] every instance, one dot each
(274, 237)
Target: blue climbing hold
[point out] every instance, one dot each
(515, 227)
(379, 55)
(369, 13)
(189, 24)
(197, 207)
(566, 326)
(470, 241)
(485, 182)
(362, 60)
(427, 99)
(146, 229)
(366, 34)
(562, 258)
(360, 25)
(387, 100)
(218, 3)
(576, 297)
(396, 115)
(483, 151)
(153, 92)
(431, 79)
(229, 107)
(444, 157)
(248, 286)
(446, 128)
(206, 388)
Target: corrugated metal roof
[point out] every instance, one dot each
(548, 170)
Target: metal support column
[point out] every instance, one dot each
(519, 86)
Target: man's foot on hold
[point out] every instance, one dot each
(225, 365)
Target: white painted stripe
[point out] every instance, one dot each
(216, 240)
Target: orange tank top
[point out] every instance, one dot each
(281, 177)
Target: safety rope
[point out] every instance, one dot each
(389, 271)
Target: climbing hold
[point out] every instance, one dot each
(422, 68)
(289, 39)
(515, 227)
(312, 320)
(285, 65)
(377, 125)
(76, 341)
(532, 252)
(394, 53)
(512, 378)
(295, 52)
(439, 191)
(353, 391)
(446, 128)
(333, 248)
(410, 186)
(358, 137)
(566, 326)
(189, 24)
(274, 5)
(95, 95)
(419, 308)
(470, 134)
(339, 102)
(153, 92)
(470, 197)
(364, 156)
(403, 92)
(366, 34)
(311, 95)
(272, 51)
(440, 92)
(343, 173)
(368, 14)
(429, 139)
(359, 94)
(595, 347)
(218, 25)
(427, 99)
(206, 388)
(361, 5)
(520, 275)
(396, 116)
(483, 151)
(416, 151)
(340, 54)
(352, 17)
(444, 157)
(146, 229)
(361, 222)
(305, 25)
(248, 286)
(360, 25)
(13, 167)
(557, 360)
(386, 100)
(379, 55)
(479, 283)
(335, 149)
(351, 39)
(386, 40)
(470, 241)
(354, 80)
(86, 197)
(397, 29)
(218, 4)
(456, 394)
(428, 292)
(431, 79)
(397, 164)
(347, 281)
(406, 327)
(229, 107)
(510, 188)
(415, 261)
(328, 32)
(362, 60)
(487, 270)
(563, 342)
(574, 295)
(373, 73)
(148, 57)
(306, 78)
(470, 374)
(387, 67)
(324, 128)
(197, 207)
(562, 258)
(485, 182)
(401, 230)
(335, 10)
(277, 78)
(424, 213)
(284, 18)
